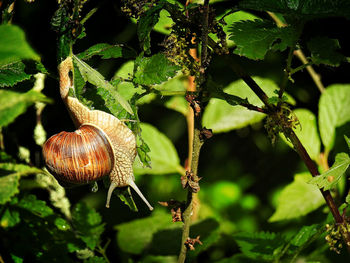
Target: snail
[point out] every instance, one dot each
(101, 146)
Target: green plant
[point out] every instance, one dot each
(190, 59)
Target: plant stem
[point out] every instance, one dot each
(299, 53)
(287, 73)
(289, 133)
(197, 142)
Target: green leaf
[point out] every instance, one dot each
(158, 235)
(334, 111)
(133, 237)
(329, 179)
(10, 174)
(95, 259)
(145, 25)
(297, 199)
(347, 141)
(106, 51)
(255, 38)
(164, 23)
(222, 117)
(9, 218)
(262, 245)
(164, 158)
(12, 73)
(229, 20)
(154, 70)
(35, 206)
(13, 104)
(325, 51)
(306, 234)
(13, 45)
(125, 196)
(300, 8)
(159, 259)
(126, 88)
(88, 224)
(94, 77)
(307, 133)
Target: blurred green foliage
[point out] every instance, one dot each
(257, 201)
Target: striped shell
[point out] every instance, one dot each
(79, 157)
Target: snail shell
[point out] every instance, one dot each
(82, 156)
(102, 145)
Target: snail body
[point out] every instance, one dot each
(101, 146)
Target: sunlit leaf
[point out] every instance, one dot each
(13, 104)
(154, 70)
(12, 73)
(94, 77)
(297, 199)
(307, 132)
(222, 117)
(13, 45)
(10, 175)
(164, 158)
(334, 111)
(330, 178)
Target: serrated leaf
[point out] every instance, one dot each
(94, 77)
(329, 179)
(13, 45)
(297, 199)
(106, 51)
(262, 245)
(255, 38)
(35, 206)
(325, 51)
(154, 70)
(229, 20)
(300, 8)
(13, 104)
(334, 111)
(10, 175)
(164, 158)
(307, 133)
(222, 117)
(88, 224)
(145, 25)
(12, 73)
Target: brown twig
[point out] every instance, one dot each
(197, 141)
